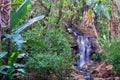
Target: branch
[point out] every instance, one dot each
(43, 5)
(47, 11)
(60, 13)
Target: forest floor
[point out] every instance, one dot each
(98, 71)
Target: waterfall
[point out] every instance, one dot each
(84, 48)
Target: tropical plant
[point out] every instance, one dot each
(50, 49)
(18, 15)
(10, 71)
(113, 55)
(10, 68)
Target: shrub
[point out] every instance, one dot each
(98, 57)
(49, 51)
(113, 55)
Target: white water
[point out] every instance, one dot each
(84, 47)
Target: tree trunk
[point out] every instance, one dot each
(88, 23)
(5, 9)
(114, 21)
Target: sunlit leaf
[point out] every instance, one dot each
(22, 70)
(16, 65)
(89, 13)
(13, 58)
(22, 27)
(16, 3)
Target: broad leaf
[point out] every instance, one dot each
(106, 12)
(2, 54)
(2, 68)
(98, 9)
(17, 16)
(90, 2)
(16, 65)
(22, 27)
(21, 70)
(13, 58)
(17, 38)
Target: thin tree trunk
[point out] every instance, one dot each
(5, 9)
(114, 22)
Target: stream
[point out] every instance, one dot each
(85, 50)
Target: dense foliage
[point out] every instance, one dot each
(45, 44)
(48, 50)
(113, 55)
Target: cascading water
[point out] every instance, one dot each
(84, 48)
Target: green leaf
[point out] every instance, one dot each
(17, 38)
(98, 9)
(22, 27)
(16, 3)
(3, 72)
(91, 2)
(88, 2)
(22, 70)
(7, 36)
(13, 58)
(2, 54)
(1, 63)
(15, 74)
(89, 13)
(36, 43)
(17, 16)
(2, 68)
(16, 65)
(106, 12)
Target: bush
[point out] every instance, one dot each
(113, 55)
(98, 57)
(49, 51)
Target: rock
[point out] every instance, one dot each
(110, 78)
(109, 67)
(99, 79)
(116, 78)
(103, 70)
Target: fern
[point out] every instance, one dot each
(20, 13)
